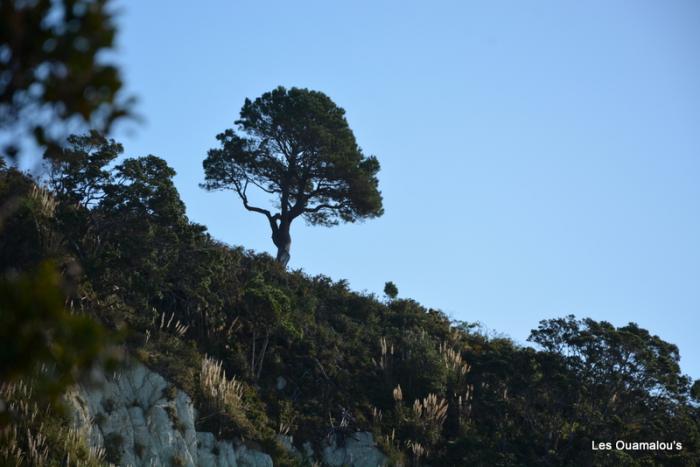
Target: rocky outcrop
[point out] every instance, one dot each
(358, 450)
(142, 420)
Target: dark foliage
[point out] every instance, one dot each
(297, 146)
(52, 70)
(390, 290)
(315, 358)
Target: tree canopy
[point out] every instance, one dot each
(77, 172)
(297, 146)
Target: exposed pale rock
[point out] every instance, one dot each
(252, 458)
(141, 420)
(358, 450)
(213, 453)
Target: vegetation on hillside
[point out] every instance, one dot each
(98, 253)
(265, 351)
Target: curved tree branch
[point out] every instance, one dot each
(241, 190)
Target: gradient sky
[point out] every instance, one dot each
(538, 158)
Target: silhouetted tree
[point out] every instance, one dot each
(297, 146)
(77, 173)
(390, 290)
(625, 364)
(627, 384)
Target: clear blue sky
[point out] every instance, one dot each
(538, 158)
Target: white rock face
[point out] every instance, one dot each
(358, 450)
(142, 420)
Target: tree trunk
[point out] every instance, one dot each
(283, 241)
(252, 358)
(261, 358)
(283, 255)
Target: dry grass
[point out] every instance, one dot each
(386, 352)
(464, 404)
(46, 201)
(432, 410)
(417, 450)
(398, 393)
(453, 360)
(224, 393)
(23, 441)
(376, 415)
(390, 439)
(34, 437)
(167, 325)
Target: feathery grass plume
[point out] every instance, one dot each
(417, 450)
(376, 415)
(46, 201)
(179, 328)
(398, 394)
(432, 409)
(453, 360)
(223, 392)
(389, 440)
(386, 351)
(464, 404)
(31, 435)
(284, 428)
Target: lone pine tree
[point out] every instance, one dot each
(296, 145)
